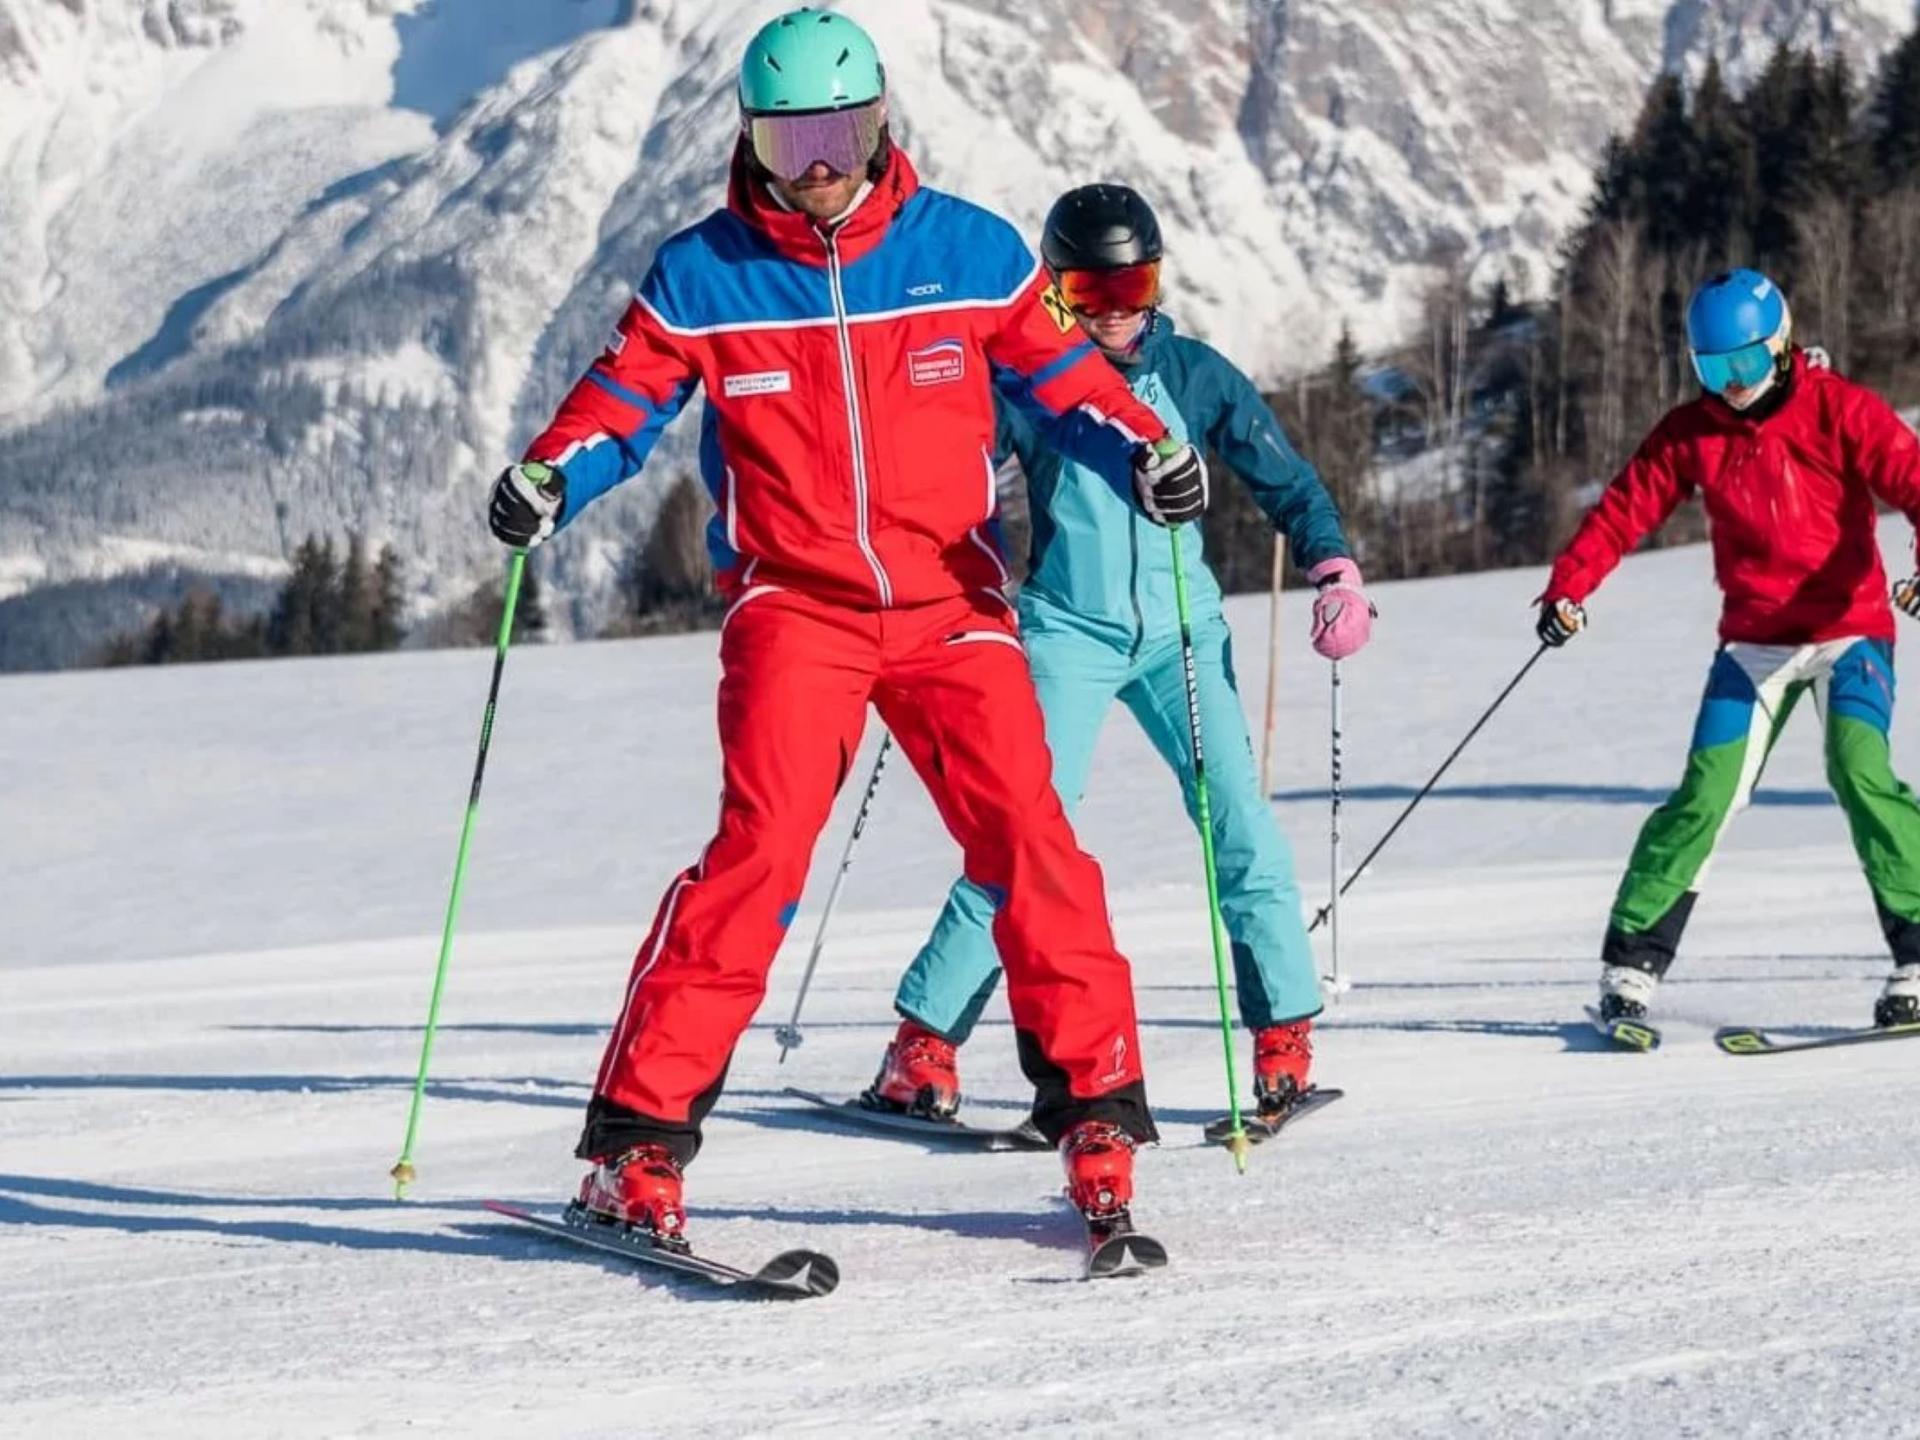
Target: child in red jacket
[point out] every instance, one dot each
(1788, 459)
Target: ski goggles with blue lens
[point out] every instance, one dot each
(1745, 367)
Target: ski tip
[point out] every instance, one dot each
(805, 1270)
(1128, 1254)
(1741, 1040)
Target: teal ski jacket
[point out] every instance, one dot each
(1096, 555)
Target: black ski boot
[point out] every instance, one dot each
(1899, 1003)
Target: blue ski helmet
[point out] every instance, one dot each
(1739, 331)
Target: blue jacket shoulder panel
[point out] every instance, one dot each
(939, 252)
(721, 273)
(1229, 415)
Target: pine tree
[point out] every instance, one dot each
(530, 609)
(356, 597)
(1893, 118)
(386, 627)
(1663, 149)
(1722, 196)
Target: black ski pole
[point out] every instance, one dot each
(1425, 789)
(789, 1034)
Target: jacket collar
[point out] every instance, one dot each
(796, 236)
(1160, 329)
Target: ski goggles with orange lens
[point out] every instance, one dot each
(1102, 292)
(843, 140)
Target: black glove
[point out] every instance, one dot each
(529, 500)
(1560, 621)
(1171, 480)
(1906, 595)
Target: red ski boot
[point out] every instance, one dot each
(1099, 1161)
(640, 1188)
(919, 1076)
(1282, 1056)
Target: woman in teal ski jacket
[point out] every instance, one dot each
(1099, 621)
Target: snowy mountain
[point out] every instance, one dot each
(219, 948)
(272, 266)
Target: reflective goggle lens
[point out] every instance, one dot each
(1745, 367)
(845, 140)
(1101, 292)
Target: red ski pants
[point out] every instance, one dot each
(950, 681)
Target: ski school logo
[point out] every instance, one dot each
(1056, 306)
(761, 382)
(1119, 1070)
(940, 363)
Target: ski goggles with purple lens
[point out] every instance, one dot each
(1745, 367)
(844, 140)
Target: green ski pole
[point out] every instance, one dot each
(403, 1172)
(1237, 1140)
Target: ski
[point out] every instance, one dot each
(1747, 1040)
(955, 1134)
(1259, 1127)
(790, 1275)
(1635, 1035)
(1115, 1248)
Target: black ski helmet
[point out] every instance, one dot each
(1099, 227)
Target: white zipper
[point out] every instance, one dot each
(850, 378)
(733, 511)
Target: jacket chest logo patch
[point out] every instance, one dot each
(940, 363)
(760, 382)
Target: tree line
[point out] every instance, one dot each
(332, 603)
(1482, 439)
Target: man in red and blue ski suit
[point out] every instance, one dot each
(848, 446)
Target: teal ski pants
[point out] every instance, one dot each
(1079, 675)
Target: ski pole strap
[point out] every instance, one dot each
(1445, 765)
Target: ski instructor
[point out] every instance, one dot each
(844, 322)
(1100, 622)
(1789, 459)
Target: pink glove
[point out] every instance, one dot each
(1342, 615)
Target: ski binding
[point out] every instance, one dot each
(1259, 1126)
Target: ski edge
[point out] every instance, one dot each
(776, 1279)
(1739, 1040)
(954, 1134)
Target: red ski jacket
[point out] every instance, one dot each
(1790, 507)
(848, 434)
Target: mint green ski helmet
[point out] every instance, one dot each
(810, 60)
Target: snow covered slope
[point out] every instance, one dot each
(223, 892)
(306, 265)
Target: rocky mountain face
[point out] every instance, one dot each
(272, 266)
